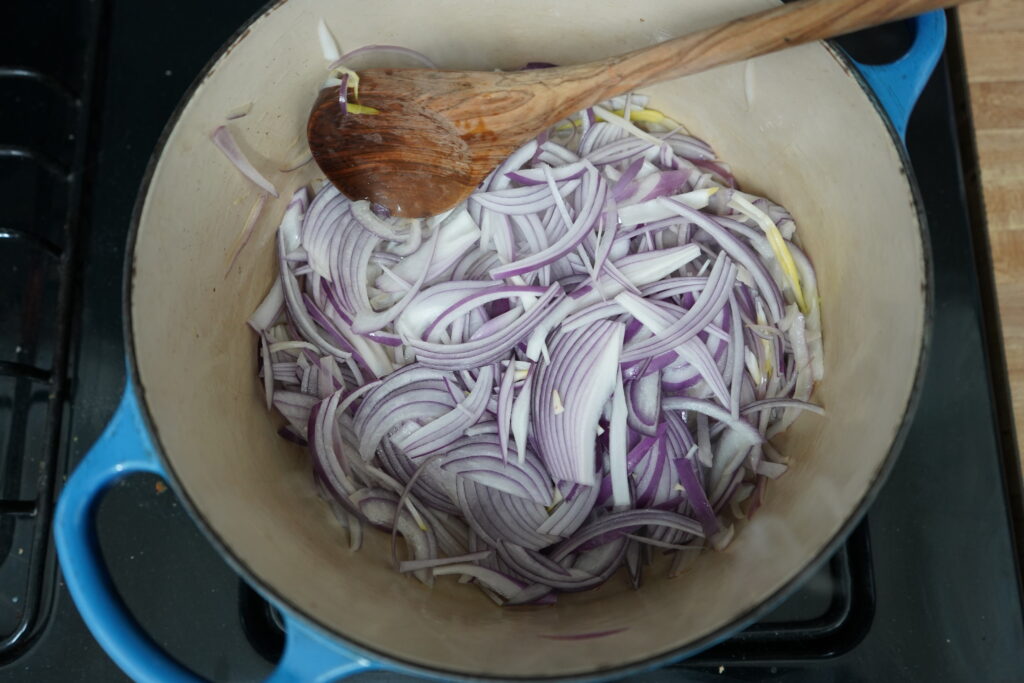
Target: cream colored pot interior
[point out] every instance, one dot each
(795, 127)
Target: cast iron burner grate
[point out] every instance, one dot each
(46, 78)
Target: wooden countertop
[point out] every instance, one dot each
(993, 45)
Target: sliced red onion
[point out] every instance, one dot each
(366, 322)
(351, 247)
(380, 511)
(653, 477)
(617, 524)
(327, 461)
(393, 229)
(695, 494)
(268, 371)
(652, 209)
(295, 407)
(416, 565)
(711, 301)
(393, 402)
(708, 408)
(495, 515)
(538, 176)
(431, 302)
(485, 350)
(503, 585)
(268, 311)
(446, 429)
(622, 150)
(730, 452)
(649, 266)
(328, 43)
(569, 397)
(424, 479)
(520, 416)
(534, 594)
(773, 403)
(644, 448)
(528, 200)
(643, 401)
(738, 251)
(810, 285)
(595, 192)
(662, 544)
(505, 402)
(659, 184)
(593, 302)
(225, 142)
(536, 567)
(239, 112)
(693, 354)
(391, 49)
(571, 513)
(617, 447)
(478, 458)
(246, 234)
(528, 470)
(456, 234)
(475, 299)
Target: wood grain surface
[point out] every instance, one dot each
(436, 134)
(993, 44)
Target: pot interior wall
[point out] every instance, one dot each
(794, 126)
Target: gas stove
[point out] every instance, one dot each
(926, 588)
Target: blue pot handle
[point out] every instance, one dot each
(898, 84)
(312, 657)
(126, 448)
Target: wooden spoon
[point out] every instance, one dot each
(439, 133)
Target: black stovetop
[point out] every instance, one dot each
(926, 589)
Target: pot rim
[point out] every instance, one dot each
(387, 660)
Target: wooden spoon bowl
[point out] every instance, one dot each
(438, 133)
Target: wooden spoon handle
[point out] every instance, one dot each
(757, 34)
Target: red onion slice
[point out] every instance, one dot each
(225, 142)
(569, 397)
(446, 429)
